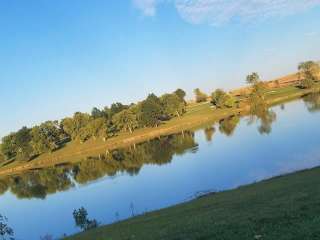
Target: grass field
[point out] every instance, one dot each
(282, 208)
(197, 115)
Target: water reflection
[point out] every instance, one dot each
(40, 183)
(228, 125)
(312, 102)
(209, 132)
(265, 116)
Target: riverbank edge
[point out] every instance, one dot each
(278, 194)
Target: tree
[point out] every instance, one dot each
(172, 105)
(151, 111)
(8, 146)
(200, 96)
(45, 138)
(258, 92)
(73, 126)
(126, 120)
(221, 99)
(97, 113)
(17, 145)
(180, 93)
(6, 232)
(309, 73)
(81, 219)
(95, 128)
(116, 108)
(253, 78)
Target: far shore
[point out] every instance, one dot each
(198, 115)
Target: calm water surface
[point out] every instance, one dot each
(163, 172)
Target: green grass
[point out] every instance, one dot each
(197, 115)
(282, 208)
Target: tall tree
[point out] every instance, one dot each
(97, 113)
(253, 78)
(151, 111)
(258, 92)
(172, 105)
(309, 73)
(73, 126)
(46, 137)
(180, 93)
(125, 120)
(199, 95)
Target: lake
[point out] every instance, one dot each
(164, 171)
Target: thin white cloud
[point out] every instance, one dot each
(217, 12)
(147, 7)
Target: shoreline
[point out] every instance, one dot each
(75, 152)
(263, 206)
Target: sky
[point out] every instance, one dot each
(59, 57)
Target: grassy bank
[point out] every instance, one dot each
(282, 208)
(197, 115)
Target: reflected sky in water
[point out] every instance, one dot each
(225, 162)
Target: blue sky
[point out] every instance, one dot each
(58, 57)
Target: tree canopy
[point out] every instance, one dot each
(199, 95)
(221, 99)
(309, 73)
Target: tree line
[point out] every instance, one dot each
(49, 136)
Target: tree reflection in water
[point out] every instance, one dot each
(312, 102)
(265, 116)
(40, 183)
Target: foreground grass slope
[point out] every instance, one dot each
(282, 208)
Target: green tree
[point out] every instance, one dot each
(17, 145)
(309, 73)
(74, 126)
(8, 146)
(97, 113)
(253, 78)
(258, 92)
(199, 95)
(221, 99)
(45, 138)
(116, 108)
(151, 111)
(172, 105)
(125, 120)
(94, 129)
(81, 219)
(180, 93)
